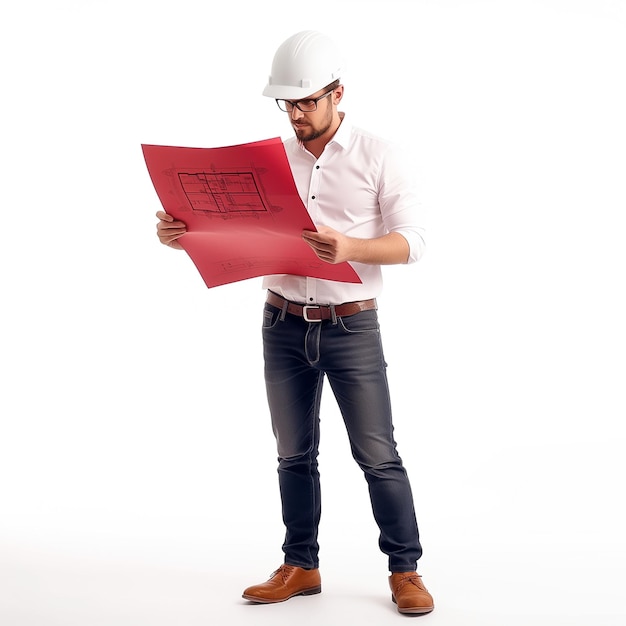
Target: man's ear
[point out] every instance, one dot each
(338, 94)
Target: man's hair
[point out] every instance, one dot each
(333, 85)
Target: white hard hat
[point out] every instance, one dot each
(302, 65)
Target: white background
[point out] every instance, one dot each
(137, 466)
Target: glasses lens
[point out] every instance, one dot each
(304, 105)
(307, 105)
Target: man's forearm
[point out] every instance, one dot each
(390, 249)
(333, 247)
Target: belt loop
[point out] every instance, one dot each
(283, 311)
(333, 314)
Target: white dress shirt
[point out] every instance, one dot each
(359, 188)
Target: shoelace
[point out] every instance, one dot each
(284, 571)
(413, 579)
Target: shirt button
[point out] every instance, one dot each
(317, 167)
(312, 197)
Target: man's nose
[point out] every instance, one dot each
(296, 113)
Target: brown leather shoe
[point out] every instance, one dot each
(287, 581)
(409, 593)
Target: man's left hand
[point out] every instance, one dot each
(328, 244)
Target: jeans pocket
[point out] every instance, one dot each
(363, 322)
(271, 315)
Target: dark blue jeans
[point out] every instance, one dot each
(298, 354)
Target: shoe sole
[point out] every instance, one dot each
(414, 610)
(305, 592)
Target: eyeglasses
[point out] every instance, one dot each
(306, 106)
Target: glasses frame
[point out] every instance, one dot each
(296, 103)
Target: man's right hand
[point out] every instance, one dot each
(169, 230)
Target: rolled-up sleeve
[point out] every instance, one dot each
(399, 203)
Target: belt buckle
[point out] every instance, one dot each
(305, 309)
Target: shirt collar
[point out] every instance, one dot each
(341, 136)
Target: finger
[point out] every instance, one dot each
(314, 238)
(166, 229)
(318, 246)
(325, 253)
(172, 243)
(313, 245)
(163, 226)
(168, 239)
(166, 217)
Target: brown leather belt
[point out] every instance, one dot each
(319, 312)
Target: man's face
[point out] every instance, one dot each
(311, 125)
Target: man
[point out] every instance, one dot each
(364, 210)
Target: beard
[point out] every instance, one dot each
(310, 133)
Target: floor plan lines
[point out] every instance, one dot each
(223, 192)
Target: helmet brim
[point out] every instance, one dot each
(289, 92)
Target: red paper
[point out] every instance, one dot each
(243, 213)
